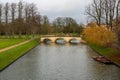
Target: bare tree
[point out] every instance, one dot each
(104, 11)
(70, 25)
(1, 6)
(13, 14)
(13, 11)
(20, 18)
(26, 10)
(111, 11)
(32, 17)
(65, 25)
(1, 18)
(117, 11)
(38, 19)
(46, 25)
(112, 6)
(59, 24)
(33, 10)
(6, 8)
(95, 11)
(20, 10)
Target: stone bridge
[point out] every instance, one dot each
(53, 39)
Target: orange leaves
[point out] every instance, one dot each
(99, 35)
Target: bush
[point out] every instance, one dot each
(99, 35)
(117, 31)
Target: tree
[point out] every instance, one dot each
(46, 25)
(20, 10)
(66, 25)
(6, 8)
(104, 11)
(2, 29)
(111, 10)
(70, 25)
(13, 14)
(26, 10)
(1, 18)
(58, 24)
(20, 19)
(1, 6)
(95, 11)
(13, 11)
(112, 7)
(117, 11)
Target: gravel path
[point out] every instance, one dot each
(5, 49)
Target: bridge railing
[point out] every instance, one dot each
(62, 35)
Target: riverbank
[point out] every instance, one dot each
(9, 56)
(108, 52)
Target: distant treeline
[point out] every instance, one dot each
(24, 18)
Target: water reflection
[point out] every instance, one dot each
(60, 62)
(74, 41)
(60, 41)
(47, 41)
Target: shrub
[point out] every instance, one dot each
(117, 31)
(99, 35)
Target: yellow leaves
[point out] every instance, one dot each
(98, 34)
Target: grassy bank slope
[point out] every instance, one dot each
(9, 42)
(11, 55)
(106, 51)
(111, 53)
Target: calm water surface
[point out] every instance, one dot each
(60, 62)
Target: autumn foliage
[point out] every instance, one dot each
(99, 35)
(117, 31)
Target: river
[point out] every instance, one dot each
(60, 62)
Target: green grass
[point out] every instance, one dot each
(106, 51)
(11, 55)
(9, 42)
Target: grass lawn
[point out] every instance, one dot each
(11, 55)
(9, 42)
(106, 51)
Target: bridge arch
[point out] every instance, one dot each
(47, 40)
(60, 40)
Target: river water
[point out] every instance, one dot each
(60, 62)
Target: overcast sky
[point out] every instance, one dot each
(60, 8)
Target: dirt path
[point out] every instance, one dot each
(5, 49)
